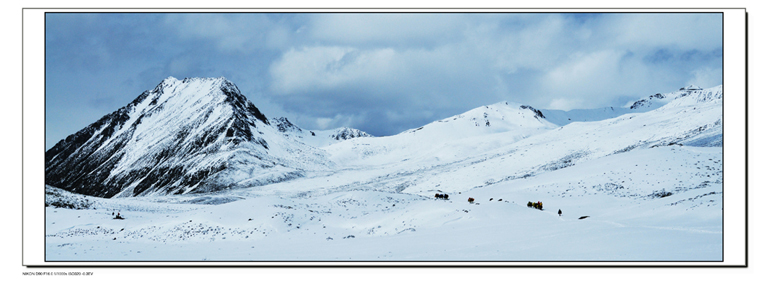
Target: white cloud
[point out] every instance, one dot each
(425, 62)
(647, 31)
(442, 54)
(591, 75)
(230, 32)
(323, 123)
(313, 68)
(339, 120)
(407, 78)
(385, 28)
(537, 45)
(596, 79)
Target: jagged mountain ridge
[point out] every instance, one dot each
(191, 135)
(316, 138)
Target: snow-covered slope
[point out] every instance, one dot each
(440, 157)
(456, 137)
(642, 105)
(643, 186)
(191, 135)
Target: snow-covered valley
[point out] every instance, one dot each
(646, 185)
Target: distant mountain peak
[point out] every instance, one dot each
(346, 133)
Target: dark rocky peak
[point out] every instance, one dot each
(536, 112)
(346, 133)
(283, 125)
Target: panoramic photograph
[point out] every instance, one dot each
(383, 137)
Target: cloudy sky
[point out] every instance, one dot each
(381, 73)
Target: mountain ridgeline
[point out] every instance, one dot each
(200, 135)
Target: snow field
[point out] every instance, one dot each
(393, 226)
(645, 186)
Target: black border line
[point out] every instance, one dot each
(45, 121)
(746, 140)
(22, 138)
(504, 10)
(384, 266)
(433, 11)
(722, 152)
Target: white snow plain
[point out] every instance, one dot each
(643, 186)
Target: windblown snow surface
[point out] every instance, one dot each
(640, 186)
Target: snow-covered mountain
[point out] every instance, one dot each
(456, 137)
(184, 136)
(316, 138)
(646, 185)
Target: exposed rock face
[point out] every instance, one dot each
(346, 133)
(534, 110)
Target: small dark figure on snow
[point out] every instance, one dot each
(560, 212)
